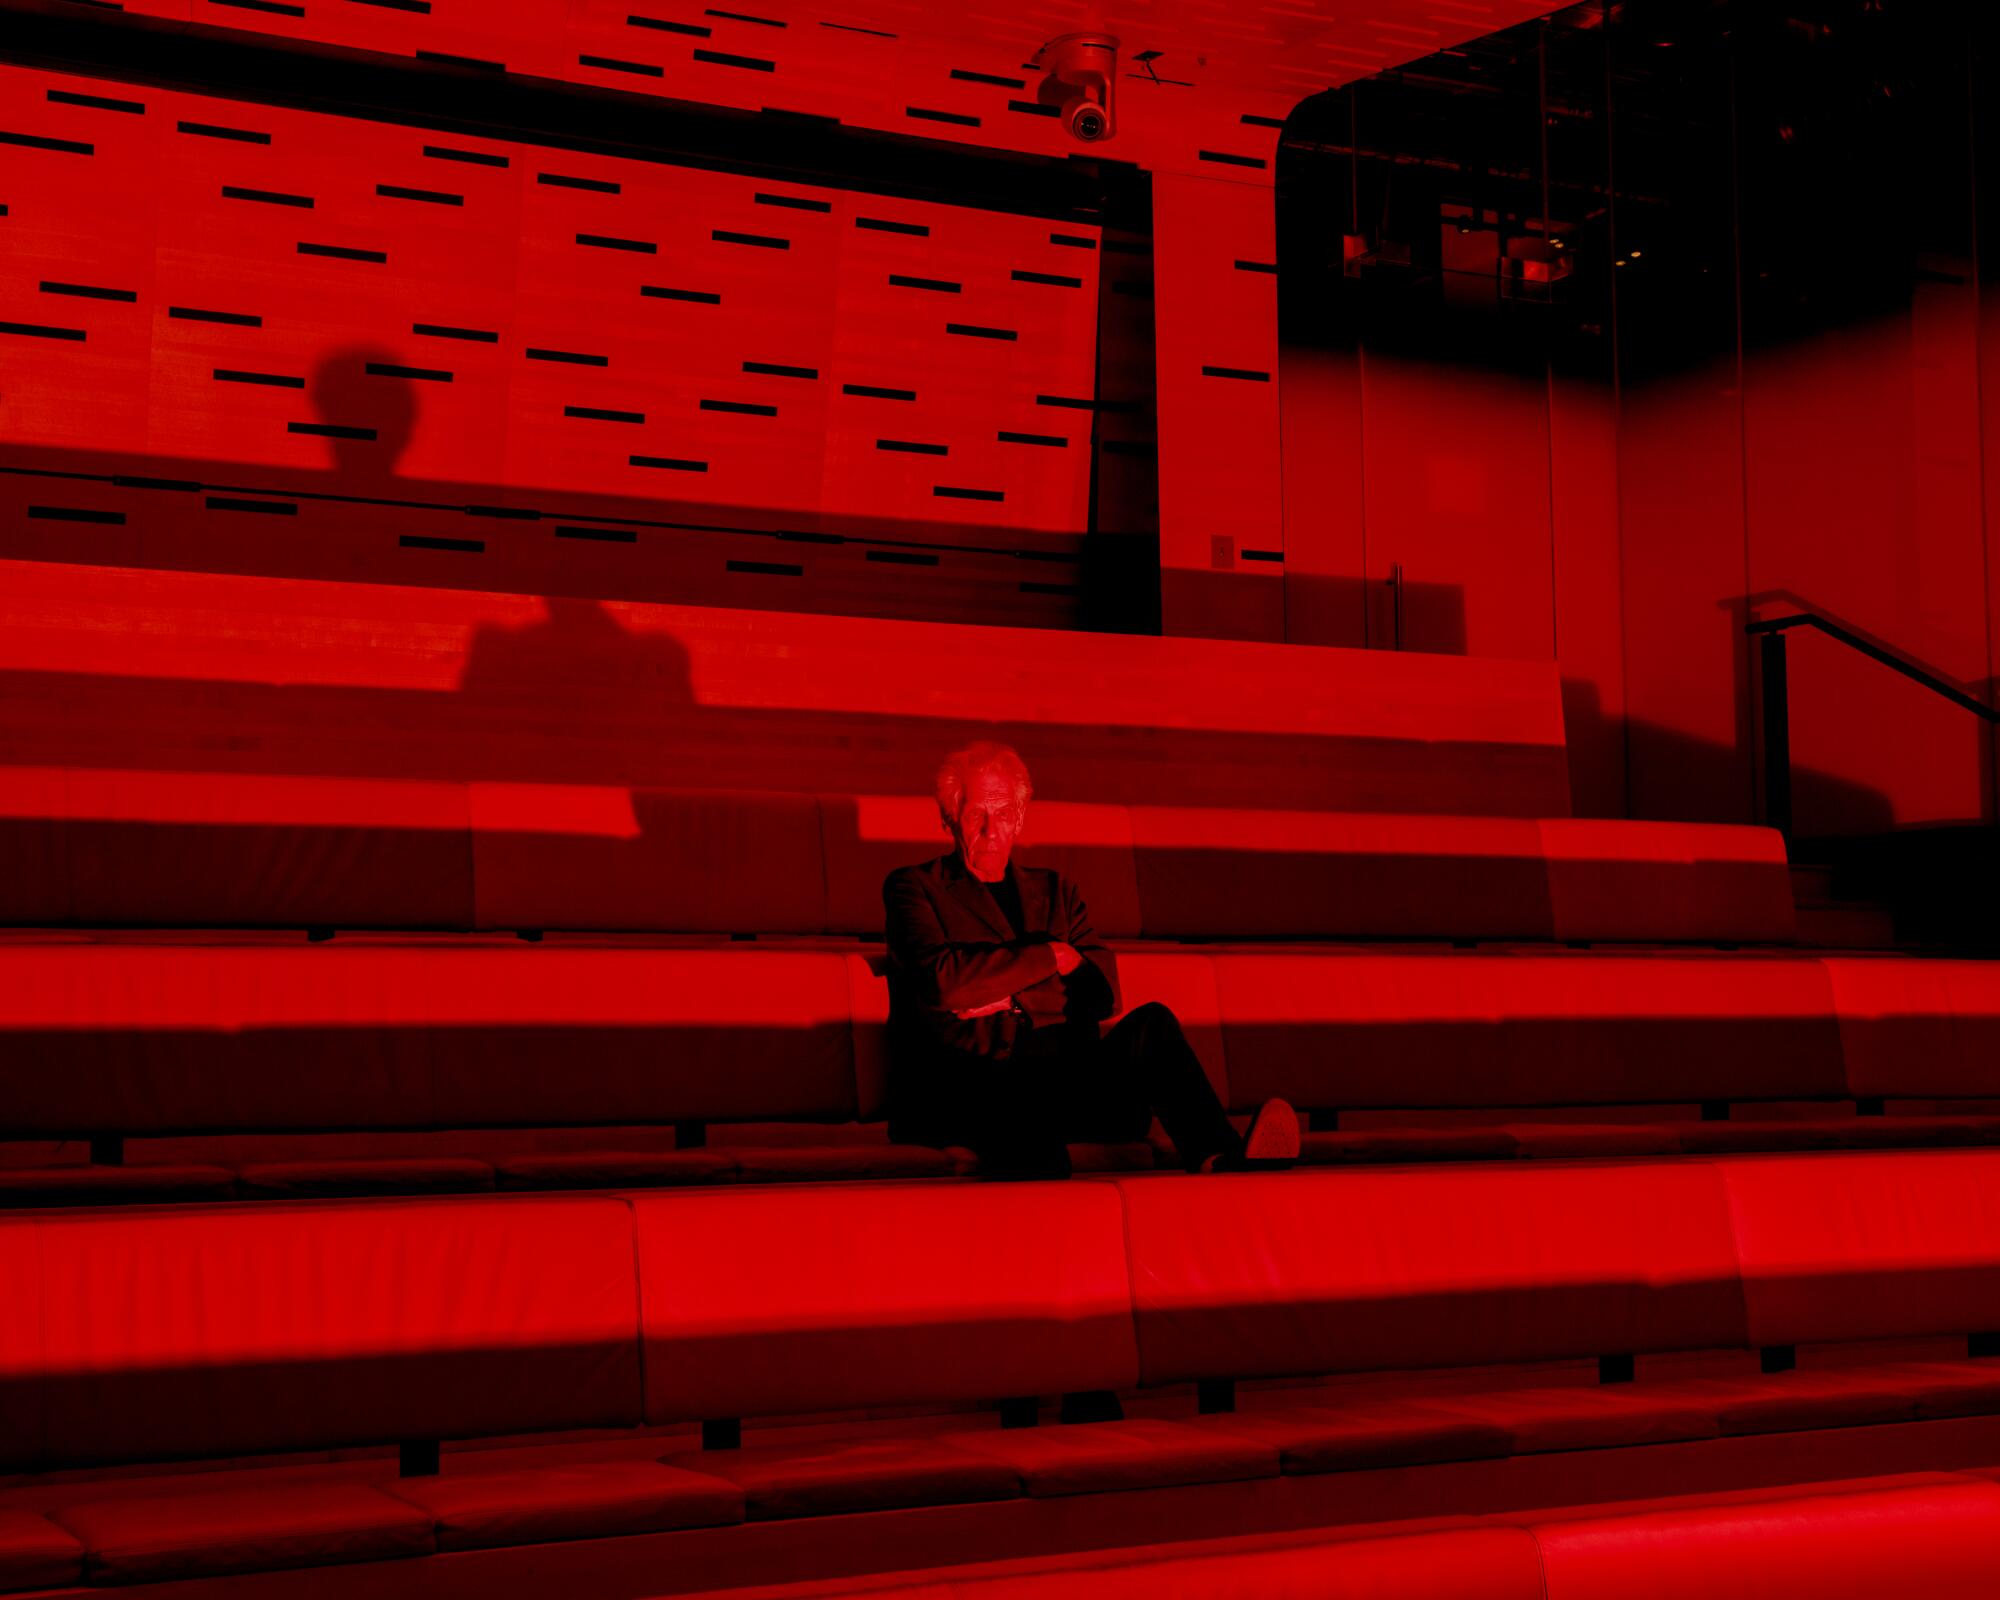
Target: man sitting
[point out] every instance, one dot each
(997, 986)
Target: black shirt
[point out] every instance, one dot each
(1007, 896)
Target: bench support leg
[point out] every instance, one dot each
(1214, 1396)
(722, 1433)
(1091, 1405)
(417, 1458)
(1023, 1412)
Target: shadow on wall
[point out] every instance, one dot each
(368, 410)
(579, 651)
(1886, 702)
(642, 536)
(1678, 776)
(578, 697)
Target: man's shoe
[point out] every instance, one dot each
(1273, 1134)
(1270, 1144)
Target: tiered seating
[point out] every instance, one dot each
(203, 673)
(194, 750)
(97, 847)
(152, 1039)
(263, 754)
(1929, 1533)
(215, 765)
(296, 875)
(205, 1331)
(149, 1040)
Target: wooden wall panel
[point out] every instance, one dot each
(1221, 492)
(273, 300)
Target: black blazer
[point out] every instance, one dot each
(950, 949)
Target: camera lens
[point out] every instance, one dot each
(1090, 124)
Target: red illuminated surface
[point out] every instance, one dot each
(429, 529)
(595, 318)
(1930, 1532)
(184, 670)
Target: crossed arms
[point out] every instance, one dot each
(976, 978)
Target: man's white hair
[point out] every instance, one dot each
(962, 766)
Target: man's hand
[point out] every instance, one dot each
(1067, 961)
(984, 1011)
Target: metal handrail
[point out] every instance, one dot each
(1777, 710)
(1888, 658)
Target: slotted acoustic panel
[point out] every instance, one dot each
(239, 337)
(1202, 85)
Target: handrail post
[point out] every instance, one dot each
(1777, 734)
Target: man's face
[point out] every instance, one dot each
(989, 818)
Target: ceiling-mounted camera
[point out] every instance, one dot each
(1081, 67)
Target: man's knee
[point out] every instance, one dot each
(1154, 1015)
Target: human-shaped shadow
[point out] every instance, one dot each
(358, 388)
(523, 685)
(579, 662)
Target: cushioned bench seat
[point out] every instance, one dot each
(763, 1300)
(820, 1162)
(1459, 1564)
(184, 1531)
(36, 1554)
(392, 1175)
(454, 685)
(1930, 1533)
(1917, 1029)
(498, 1314)
(339, 755)
(725, 1164)
(1922, 1534)
(986, 1463)
(163, 1332)
(1096, 1457)
(155, 1538)
(580, 1500)
(132, 1038)
(612, 1169)
(1303, 875)
(870, 1473)
(1571, 1140)
(161, 1038)
(84, 1185)
(91, 847)
(1382, 1029)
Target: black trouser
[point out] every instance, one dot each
(1018, 1114)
